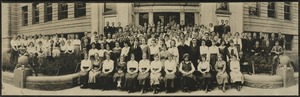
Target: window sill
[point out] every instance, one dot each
(223, 12)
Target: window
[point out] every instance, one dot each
(25, 15)
(35, 13)
(287, 10)
(271, 9)
(189, 19)
(62, 11)
(48, 12)
(143, 18)
(223, 6)
(110, 8)
(253, 9)
(80, 9)
(288, 42)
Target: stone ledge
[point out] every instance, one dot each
(8, 77)
(264, 85)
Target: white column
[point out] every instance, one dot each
(136, 19)
(197, 18)
(150, 17)
(182, 16)
(95, 17)
(101, 22)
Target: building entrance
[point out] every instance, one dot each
(166, 17)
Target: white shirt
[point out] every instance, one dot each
(144, 64)
(31, 49)
(70, 47)
(174, 51)
(238, 41)
(85, 63)
(76, 42)
(170, 65)
(168, 43)
(108, 64)
(234, 65)
(101, 52)
(154, 49)
(203, 50)
(213, 50)
(125, 51)
(149, 41)
(156, 65)
(93, 52)
(13, 44)
(132, 64)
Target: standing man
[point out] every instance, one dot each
(107, 29)
(217, 29)
(226, 27)
(113, 29)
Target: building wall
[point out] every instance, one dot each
(263, 23)
(68, 25)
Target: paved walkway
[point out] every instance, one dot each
(12, 90)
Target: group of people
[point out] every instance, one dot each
(158, 56)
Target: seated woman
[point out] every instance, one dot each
(143, 77)
(187, 69)
(119, 75)
(170, 70)
(205, 76)
(131, 75)
(155, 76)
(85, 67)
(95, 71)
(235, 73)
(222, 77)
(107, 71)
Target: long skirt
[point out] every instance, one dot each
(77, 51)
(222, 78)
(169, 80)
(142, 78)
(155, 78)
(83, 77)
(105, 80)
(118, 79)
(130, 80)
(187, 81)
(204, 79)
(236, 76)
(93, 76)
(238, 47)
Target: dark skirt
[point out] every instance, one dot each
(170, 80)
(105, 80)
(142, 78)
(130, 80)
(213, 59)
(83, 77)
(187, 81)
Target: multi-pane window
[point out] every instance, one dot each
(62, 11)
(288, 42)
(80, 9)
(143, 18)
(223, 6)
(254, 9)
(48, 12)
(110, 8)
(271, 10)
(25, 15)
(287, 10)
(35, 13)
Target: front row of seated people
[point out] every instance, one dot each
(133, 75)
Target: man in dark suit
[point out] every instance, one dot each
(136, 50)
(119, 27)
(226, 27)
(182, 49)
(217, 29)
(113, 28)
(107, 29)
(194, 52)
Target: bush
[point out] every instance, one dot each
(64, 64)
(6, 64)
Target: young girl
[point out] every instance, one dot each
(235, 74)
(143, 77)
(205, 76)
(85, 67)
(131, 75)
(222, 77)
(119, 75)
(95, 71)
(155, 76)
(170, 70)
(187, 69)
(106, 75)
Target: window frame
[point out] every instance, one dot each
(46, 14)
(269, 9)
(35, 10)
(110, 12)
(78, 10)
(256, 7)
(285, 12)
(62, 12)
(24, 15)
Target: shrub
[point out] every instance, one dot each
(6, 64)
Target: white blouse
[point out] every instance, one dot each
(170, 65)
(213, 50)
(154, 50)
(132, 64)
(31, 49)
(101, 52)
(85, 63)
(108, 64)
(156, 65)
(76, 42)
(234, 65)
(93, 52)
(204, 65)
(144, 64)
(203, 50)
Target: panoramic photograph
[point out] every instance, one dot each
(150, 48)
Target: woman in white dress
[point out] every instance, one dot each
(77, 46)
(85, 67)
(131, 75)
(170, 70)
(174, 50)
(222, 76)
(95, 71)
(235, 73)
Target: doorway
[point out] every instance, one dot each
(166, 17)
